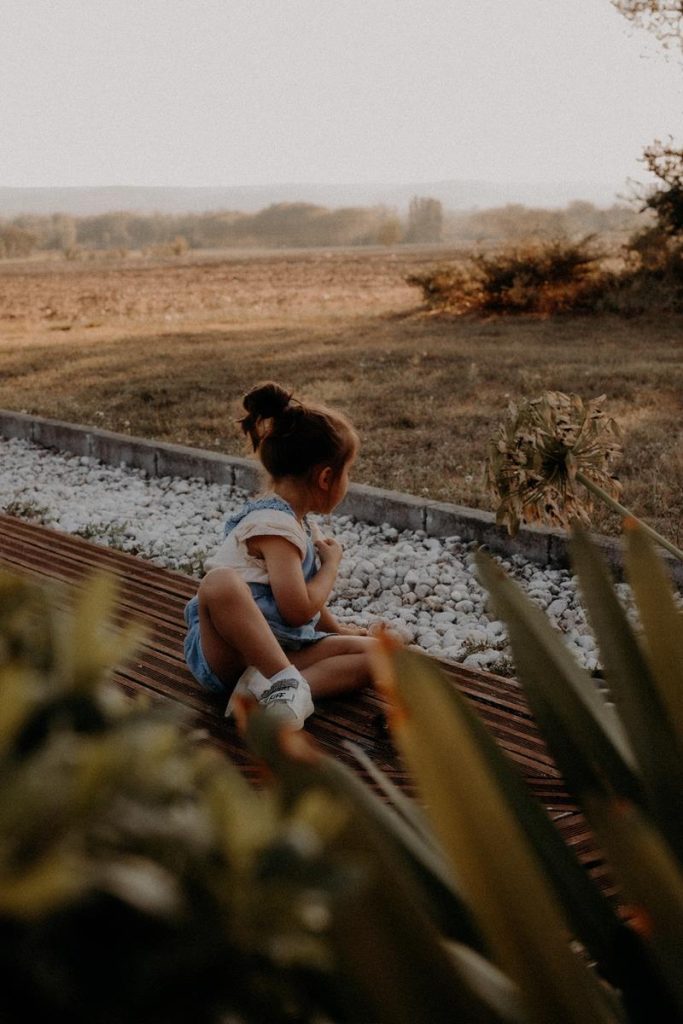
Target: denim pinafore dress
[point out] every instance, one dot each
(291, 638)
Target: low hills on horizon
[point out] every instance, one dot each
(82, 201)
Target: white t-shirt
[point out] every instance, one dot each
(266, 522)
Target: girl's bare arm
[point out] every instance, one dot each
(297, 600)
(328, 624)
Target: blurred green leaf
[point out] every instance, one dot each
(38, 889)
(593, 919)
(582, 730)
(661, 620)
(406, 807)
(507, 891)
(92, 645)
(485, 979)
(384, 936)
(421, 860)
(651, 878)
(650, 732)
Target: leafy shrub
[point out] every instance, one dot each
(652, 280)
(454, 288)
(560, 277)
(536, 278)
(545, 278)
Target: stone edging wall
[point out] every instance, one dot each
(371, 504)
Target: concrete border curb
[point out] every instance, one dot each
(370, 504)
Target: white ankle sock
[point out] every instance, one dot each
(291, 672)
(258, 683)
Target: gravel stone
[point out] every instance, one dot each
(424, 587)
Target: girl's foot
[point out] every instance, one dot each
(286, 694)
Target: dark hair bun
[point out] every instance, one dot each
(266, 401)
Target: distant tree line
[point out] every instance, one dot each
(281, 225)
(515, 222)
(300, 225)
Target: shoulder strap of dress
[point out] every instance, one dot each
(257, 505)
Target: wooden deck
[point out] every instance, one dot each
(157, 597)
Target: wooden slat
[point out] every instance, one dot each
(157, 596)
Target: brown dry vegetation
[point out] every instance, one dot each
(163, 350)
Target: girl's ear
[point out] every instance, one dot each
(325, 478)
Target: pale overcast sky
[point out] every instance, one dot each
(245, 92)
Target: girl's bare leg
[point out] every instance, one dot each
(335, 665)
(233, 631)
(235, 634)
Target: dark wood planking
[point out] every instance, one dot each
(157, 596)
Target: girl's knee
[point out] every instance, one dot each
(364, 644)
(222, 585)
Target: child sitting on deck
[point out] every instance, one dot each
(259, 622)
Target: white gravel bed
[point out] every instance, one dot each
(423, 586)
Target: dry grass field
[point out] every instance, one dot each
(164, 350)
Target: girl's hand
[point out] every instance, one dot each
(352, 631)
(329, 551)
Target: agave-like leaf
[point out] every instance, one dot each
(652, 882)
(422, 861)
(486, 979)
(406, 807)
(650, 732)
(517, 911)
(385, 940)
(582, 730)
(593, 919)
(406, 975)
(661, 620)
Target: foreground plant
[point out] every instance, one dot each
(141, 879)
(484, 862)
(551, 459)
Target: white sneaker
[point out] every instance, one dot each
(287, 694)
(242, 688)
(289, 697)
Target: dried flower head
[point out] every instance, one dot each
(545, 457)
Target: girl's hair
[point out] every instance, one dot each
(292, 438)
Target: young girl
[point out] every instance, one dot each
(259, 623)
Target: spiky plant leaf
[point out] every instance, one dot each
(652, 881)
(583, 732)
(300, 766)
(651, 734)
(507, 891)
(485, 979)
(661, 620)
(385, 928)
(593, 920)
(408, 809)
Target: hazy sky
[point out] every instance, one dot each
(227, 92)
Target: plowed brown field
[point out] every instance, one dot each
(164, 349)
